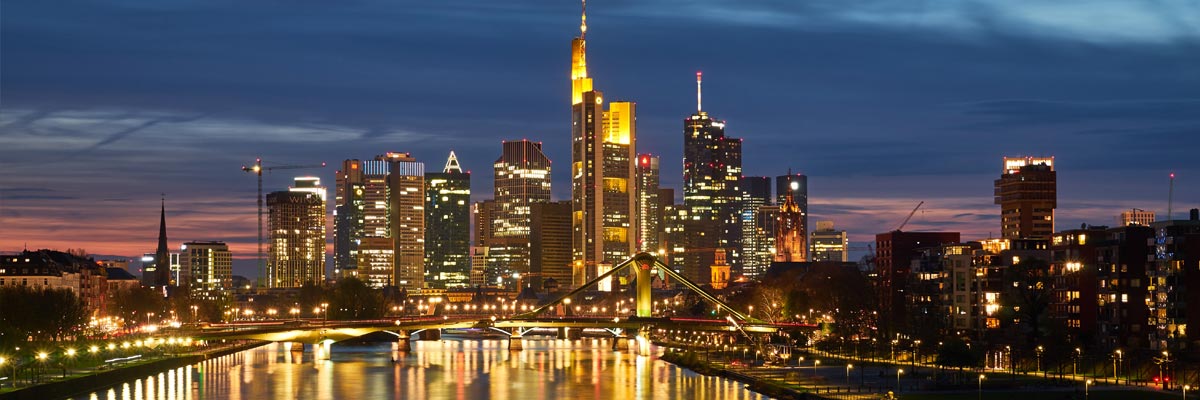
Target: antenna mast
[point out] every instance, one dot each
(583, 21)
(1171, 196)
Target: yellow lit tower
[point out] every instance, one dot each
(603, 202)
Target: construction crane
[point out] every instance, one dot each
(257, 169)
(910, 215)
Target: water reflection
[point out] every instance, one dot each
(447, 369)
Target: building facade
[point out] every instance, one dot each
(447, 227)
(1136, 216)
(756, 254)
(603, 195)
(1027, 193)
(648, 205)
(209, 266)
(828, 244)
(296, 222)
(550, 246)
(712, 171)
(894, 252)
(380, 209)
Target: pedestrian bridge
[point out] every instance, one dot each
(637, 327)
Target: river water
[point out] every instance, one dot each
(446, 369)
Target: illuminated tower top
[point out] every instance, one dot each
(698, 108)
(579, 77)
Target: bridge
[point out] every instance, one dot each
(636, 328)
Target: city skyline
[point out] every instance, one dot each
(1126, 131)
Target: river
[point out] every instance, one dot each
(446, 369)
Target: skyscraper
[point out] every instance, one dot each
(712, 170)
(756, 256)
(602, 172)
(447, 226)
(297, 227)
(522, 178)
(648, 205)
(380, 212)
(550, 245)
(209, 266)
(1027, 193)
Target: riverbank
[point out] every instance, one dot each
(77, 384)
(692, 361)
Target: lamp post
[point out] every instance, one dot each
(325, 314)
(981, 377)
(1166, 358)
(1040, 349)
(1085, 388)
(898, 373)
(1074, 366)
(848, 368)
(1185, 389)
(1116, 365)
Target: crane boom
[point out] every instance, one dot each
(257, 169)
(910, 215)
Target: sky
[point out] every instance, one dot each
(105, 105)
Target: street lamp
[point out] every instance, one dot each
(848, 368)
(1085, 388)
(1185, 389)
(1116, 360)
(325, 313)
(1039, 357)
(898, 373)
(1074, 366)
(981, 377)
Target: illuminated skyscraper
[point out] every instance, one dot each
(1027, 193)
(447, 222)
(297, 228)
(380, 216)
(712, 170)
(756, 253)
(522, 178)
(603, 196)
(1135, 216)
(649, 210)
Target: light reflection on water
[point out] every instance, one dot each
(447, 369)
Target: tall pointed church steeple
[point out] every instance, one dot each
(162, 255)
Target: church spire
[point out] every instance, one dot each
(162, 255)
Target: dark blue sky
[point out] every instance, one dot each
(103, 105)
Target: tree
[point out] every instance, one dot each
(132, 305)
(352, 299)
(39, 314)
(1025, 302)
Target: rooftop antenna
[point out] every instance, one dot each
(698, 74)
(583, 21)
(1171, 196)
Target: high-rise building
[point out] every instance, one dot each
(157, 272)
(797, 186)
(382, 200)
(712, 170)
(209, 267)
(756, 256)
(296, 221)
(1174, 302)
(603, 196)
(1136, 216)
(647, 203)
(447, 222)
(1027, 193)
(550, 246)
(828, 244)
(522, 179)
(894, 252)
